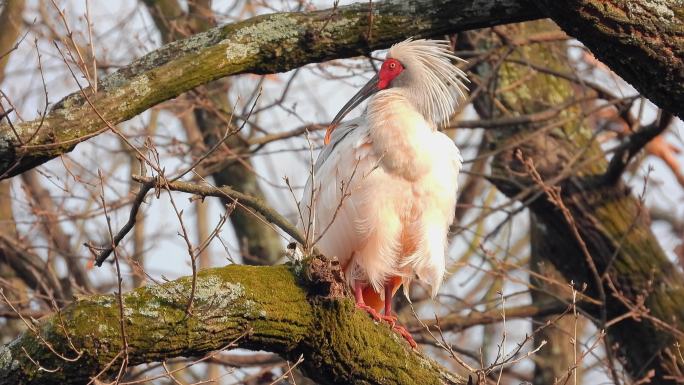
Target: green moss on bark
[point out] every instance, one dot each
(261, 308)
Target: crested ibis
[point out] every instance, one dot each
(382, 193)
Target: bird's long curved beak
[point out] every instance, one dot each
(369, 89)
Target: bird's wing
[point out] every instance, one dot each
(337, 137)
(331, 199)
(430, 267)
(448, 169)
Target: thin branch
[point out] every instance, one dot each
(633, 145)
(101, 254)
(254, 203)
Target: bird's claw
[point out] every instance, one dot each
(405, 333)
(390, 319)
(373, 313)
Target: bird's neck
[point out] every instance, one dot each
(400, 134)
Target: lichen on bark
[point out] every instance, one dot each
(642, 41)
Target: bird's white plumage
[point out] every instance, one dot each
(383, 192)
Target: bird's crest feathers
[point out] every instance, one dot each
(437, 94)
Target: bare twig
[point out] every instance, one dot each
(254, 203)
(633, 145)
(101, 254)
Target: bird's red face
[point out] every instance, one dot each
(391, 68)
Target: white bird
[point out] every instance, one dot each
(382, 193)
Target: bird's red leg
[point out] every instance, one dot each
(392, 320)
(388, 317)
(358, 297)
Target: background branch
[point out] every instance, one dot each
(254, 203)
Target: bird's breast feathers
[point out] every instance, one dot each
(376, 188)
(406, 144)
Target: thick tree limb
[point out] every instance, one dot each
(642, 41)
(263, 44)
(607, 244)
(260, 308)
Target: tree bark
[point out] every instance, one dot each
(261, 308)
(556, 362)
(642, 41)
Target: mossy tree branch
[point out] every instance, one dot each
(263, 44)
(262, 308)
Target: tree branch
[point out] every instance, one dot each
(632, 146)
(611, 248)
(252, 202)
(642, 41)
(260, 308)
(10, 20)
(454, 322)
(35, 272)
(263, 44)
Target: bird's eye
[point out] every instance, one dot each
(392, 65)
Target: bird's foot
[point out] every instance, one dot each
(373, 313)
(405, 333)
(390, 319)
